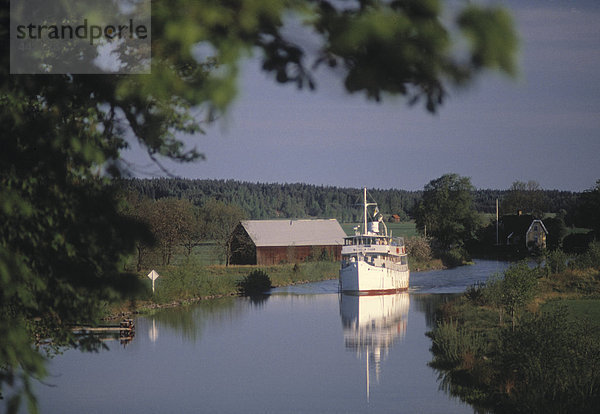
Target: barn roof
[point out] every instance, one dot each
(294, 232)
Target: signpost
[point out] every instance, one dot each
(153, 276)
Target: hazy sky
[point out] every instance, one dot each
(543, 126)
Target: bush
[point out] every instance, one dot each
(553, 364)
(257, 282)
(419, 248)
(577, 242)
(556, 261)
(455, 257)
(452, 345)
(589, 259)
(476, 294)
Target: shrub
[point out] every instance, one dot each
(452, 345)
(553, 364)
(518, 288)
(556, 261)
(257, 282)
(455, 257)
(589, 259)
(577, 242)
(476, 293)
(419, 248)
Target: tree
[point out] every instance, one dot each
(194, 232)
(525, 197)
(446, 210)
(587, 213)
(518, 288)
(220, 220)
(556, 231)
(170, 218)
(62, 238)
(139, 208)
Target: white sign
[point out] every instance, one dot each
(153, 275)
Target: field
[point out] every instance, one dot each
(404, 229)
(578, 309)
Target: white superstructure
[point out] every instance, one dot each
(372, 261)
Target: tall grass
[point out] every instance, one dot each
(185, 283)
(547, 362)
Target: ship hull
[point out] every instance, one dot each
(362, 278)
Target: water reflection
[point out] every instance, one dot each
(189, 322)
(372, 324)
(429, 305)
(287, 352)
(153, 331)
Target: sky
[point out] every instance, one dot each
(543, 125)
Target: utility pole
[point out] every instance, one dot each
(497, 217)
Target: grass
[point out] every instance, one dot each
(190, 283)
(416, 265)
(402, 229)
(578, 309)
(548, 362)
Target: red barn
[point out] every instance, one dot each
(268, 242)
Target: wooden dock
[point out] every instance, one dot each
(125, 330)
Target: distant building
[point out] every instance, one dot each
(535, 238)
(395, 218)
(268, 242)
(522, 230)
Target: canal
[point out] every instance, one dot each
(304, 348)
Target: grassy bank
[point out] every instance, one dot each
(181, 284)
(190, 283)
(417, 265)
(527, 341)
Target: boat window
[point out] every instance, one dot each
(403, 260)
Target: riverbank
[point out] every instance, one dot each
(183, 285)
(525, 342)
(187, 284)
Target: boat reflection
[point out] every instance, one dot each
(372, 324)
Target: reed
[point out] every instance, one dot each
(192, 282)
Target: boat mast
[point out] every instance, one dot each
(365, 210)
(365, 205)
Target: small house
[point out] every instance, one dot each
(523, 231)
(268, 242)
(535, 238)
(513, 228)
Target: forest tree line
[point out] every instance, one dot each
(274, 200)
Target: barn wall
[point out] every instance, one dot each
(292, 254)
(243, 250)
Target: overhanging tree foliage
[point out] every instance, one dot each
(61, 236)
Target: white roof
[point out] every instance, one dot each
(294, 232)
(537, 221)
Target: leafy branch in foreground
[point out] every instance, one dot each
(62, 239)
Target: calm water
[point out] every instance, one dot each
(302, 349)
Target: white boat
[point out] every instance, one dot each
(373, 262)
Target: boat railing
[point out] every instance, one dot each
(397, 241)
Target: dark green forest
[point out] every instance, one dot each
(275, 200)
